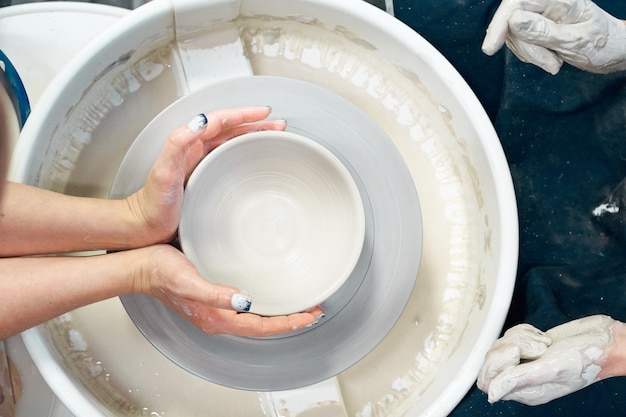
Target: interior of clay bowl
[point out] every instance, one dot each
(87, 120)
(276, 215)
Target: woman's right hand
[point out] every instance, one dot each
(156, 207)
(166, 274)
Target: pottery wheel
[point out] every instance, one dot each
(363, 310)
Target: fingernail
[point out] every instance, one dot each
(241, 302)
(269, 108)
(198, 122)
(321, 316)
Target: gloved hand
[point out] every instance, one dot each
(535, 367)
(548, 32)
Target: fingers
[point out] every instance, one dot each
(252, 325)
(216, 296)
(544, 58)
(498, 29)
(538, 395)
(228, 298)
(531, 383)
(504, 384)
(212, 320)
(220, 309)
(499, 26)
(540, 30)
(219, 120)
(521, 342)
(513, 17)
(591, 324)
(526, 32)
(212, 295)
(531, 341)
(497, 359)
(207, 127)
(188, 144)
(225, 124)
(238, 130)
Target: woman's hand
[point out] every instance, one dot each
(41, 288)
(549, 32)
(156, 208)
(169, 276)
(37, 221)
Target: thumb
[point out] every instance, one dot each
(182, 281)
(581, 326)
(525, 380)
(498, 29)
(509, 381)
(223, 297)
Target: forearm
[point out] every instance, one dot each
(614, 363)
(34, 290)
(37, 221)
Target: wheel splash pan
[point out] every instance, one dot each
(88, 118)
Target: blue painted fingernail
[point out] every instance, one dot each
(241, 302)
(312, 324)
(198, 122)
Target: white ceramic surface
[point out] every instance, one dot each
(40, 38)
(431, 357)
(364, 309)
(276, 215)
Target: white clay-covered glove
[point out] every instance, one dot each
(534, 367)
(548, 32)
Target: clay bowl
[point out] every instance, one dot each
(276, 215)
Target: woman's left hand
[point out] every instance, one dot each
(156, 208)
(166, 274)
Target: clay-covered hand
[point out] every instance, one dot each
(535, 367)
(549, 32)
(156, 208)
(166, 274)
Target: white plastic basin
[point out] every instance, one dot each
(95, 359)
